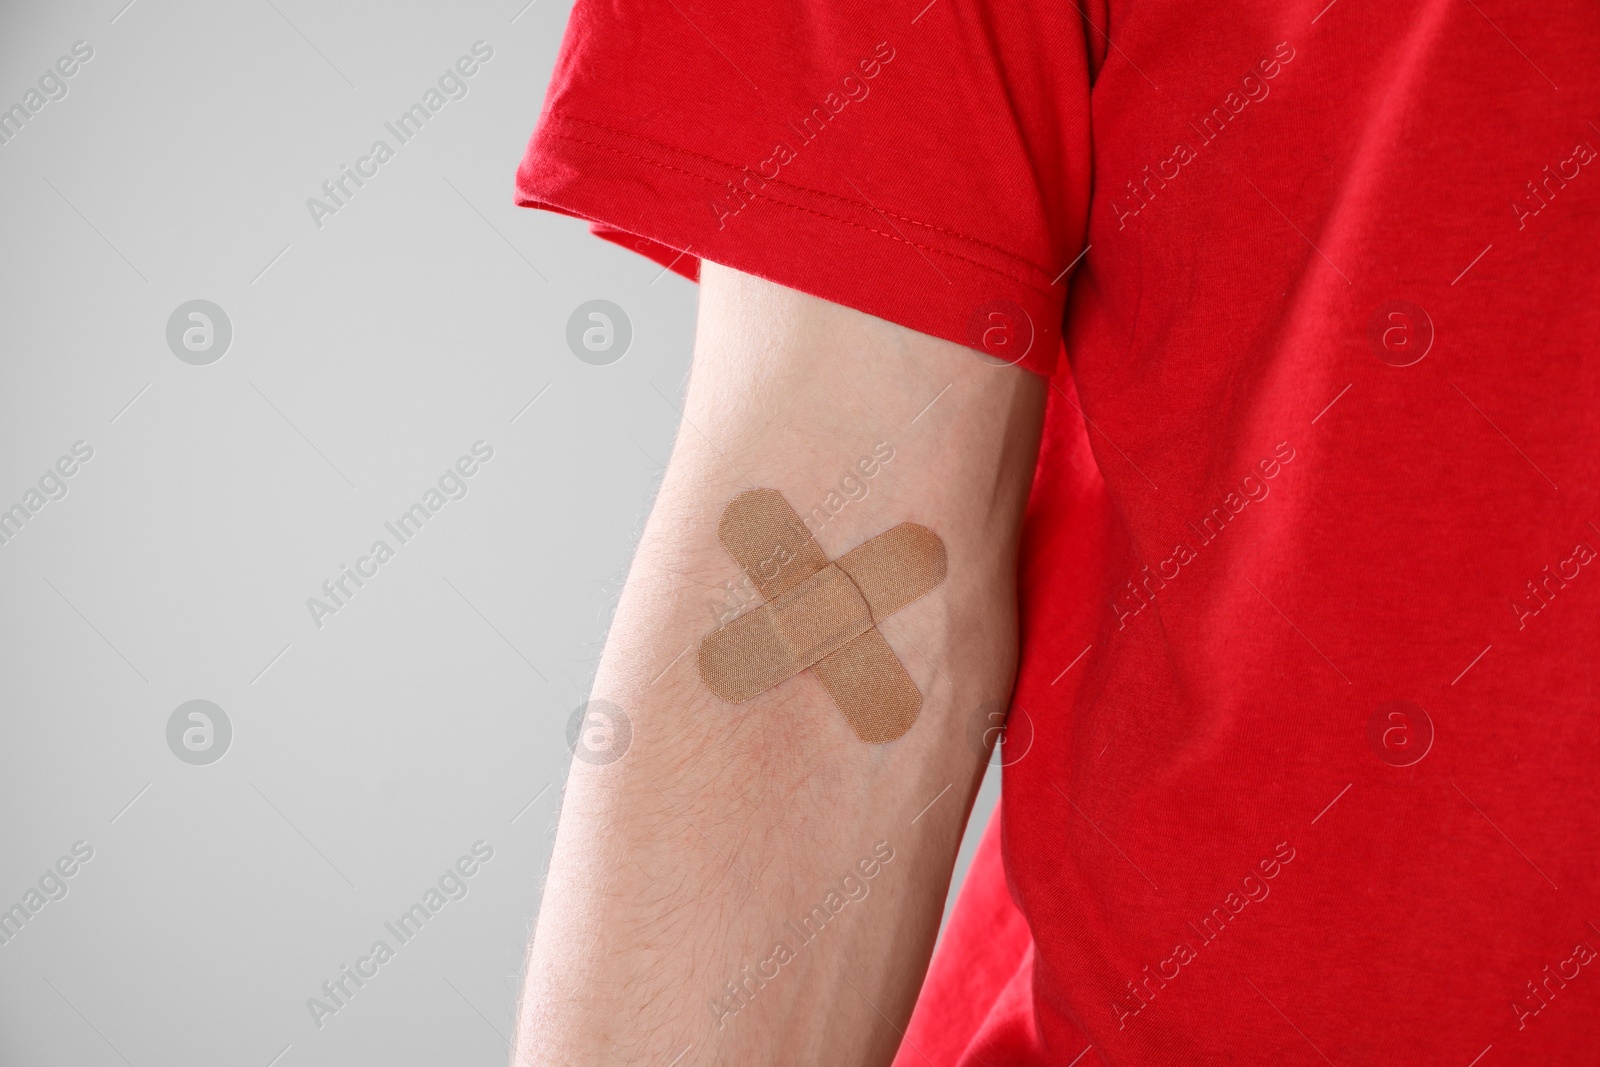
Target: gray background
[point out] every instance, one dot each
(367, 355)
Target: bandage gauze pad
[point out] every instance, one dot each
(821, 615)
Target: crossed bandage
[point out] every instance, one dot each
(821, 614)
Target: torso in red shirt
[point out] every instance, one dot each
(1311, 591)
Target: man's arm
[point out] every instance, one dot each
(710, 890)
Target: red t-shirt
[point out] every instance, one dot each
(1309, 580)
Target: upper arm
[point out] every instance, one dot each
(861, 424)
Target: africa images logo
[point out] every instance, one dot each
(199, 332)
(199, 732)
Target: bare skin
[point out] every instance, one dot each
(679, 868)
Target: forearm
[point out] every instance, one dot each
(686, 864)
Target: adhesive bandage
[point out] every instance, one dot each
(821, 615)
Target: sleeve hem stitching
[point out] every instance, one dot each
(821, 214)
(805, 189)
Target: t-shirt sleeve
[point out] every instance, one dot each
(928, 165)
